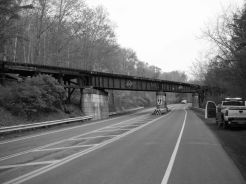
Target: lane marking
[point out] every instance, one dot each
(62, 130)
(45, 169)
(95, 137)
(175, 151)
(57, 142)
(56, 131)
(68, 147)
(29, 164)
(113, 130)
(122, 126)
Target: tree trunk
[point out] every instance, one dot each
(15, 47)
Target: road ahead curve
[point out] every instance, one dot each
(135, 149)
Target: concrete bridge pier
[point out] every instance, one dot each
(195, 100)
(198, 99)
(94, 102)
(161, 104)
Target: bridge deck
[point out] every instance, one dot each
(100, 80)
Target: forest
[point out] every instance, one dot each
(224, 64)
(69, 33)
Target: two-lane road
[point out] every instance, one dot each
(135, 149)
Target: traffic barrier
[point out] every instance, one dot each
(10, 129)
(160, 111)
(17, 128)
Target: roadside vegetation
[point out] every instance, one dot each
(67, 33)
(224, 65)
(39, 94)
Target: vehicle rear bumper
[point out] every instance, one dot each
(237, 121)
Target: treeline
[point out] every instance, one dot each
(69, 33)
(226, 68)
(65, 33)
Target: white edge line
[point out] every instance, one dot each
(57, 142)
(42, 170)
(65, 129)
(172, 159)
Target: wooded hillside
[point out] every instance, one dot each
(69, 33)
(225, 64)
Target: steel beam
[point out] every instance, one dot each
(101, 80)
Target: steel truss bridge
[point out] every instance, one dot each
(79, 79)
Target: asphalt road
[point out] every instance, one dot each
(137, 149)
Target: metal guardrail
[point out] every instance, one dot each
(16, 128)
(24, 127)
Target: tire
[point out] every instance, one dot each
(225, 125)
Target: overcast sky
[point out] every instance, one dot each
(164, 33)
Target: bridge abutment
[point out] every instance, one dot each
(94, 102)
(195, 100)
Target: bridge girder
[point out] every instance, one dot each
(82, 78)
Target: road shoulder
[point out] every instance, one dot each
(232, 141)
(201, 158)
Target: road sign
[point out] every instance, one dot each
(159, 100)
(129, 84)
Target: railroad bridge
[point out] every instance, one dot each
(92, 85)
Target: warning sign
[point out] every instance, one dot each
(159, 100)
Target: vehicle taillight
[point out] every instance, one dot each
(226, 113)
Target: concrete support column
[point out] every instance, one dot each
(161, 104)
(195, 100)
(95, 102)
(2, 74)
(201, 98)
(2, 79)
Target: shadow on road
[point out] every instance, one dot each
(233, 140)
